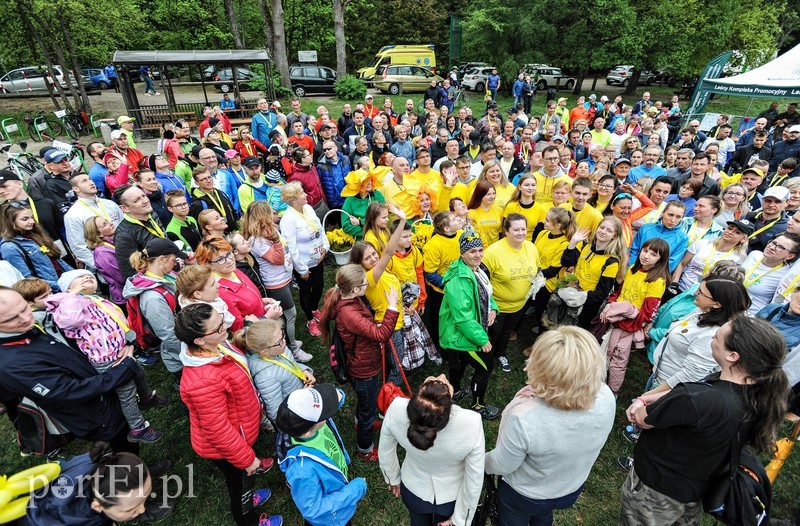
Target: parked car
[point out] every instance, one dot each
(98, 77)
(396, 79)
(475, 78)
(33, 79)
(622, 75)
(223, 80)
(549, 77)
(309, 78)
(465, 66)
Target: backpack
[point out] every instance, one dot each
(338, 357)
(145, 339)
(37, 433)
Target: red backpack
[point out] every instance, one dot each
(137, 323)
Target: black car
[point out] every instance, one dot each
(223, 79)
(311, 79)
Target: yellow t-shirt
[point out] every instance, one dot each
(405, 268)
(589, 267)
(439, 253)
(416, 179)
(378, 242)
(550, 251)
(488, 223)
(635, 289)
(377, 298)
(545, 185)
(504, 194)
(459, 190)
(399, 196)
(587, 217)
(534, 213)
(511, 273)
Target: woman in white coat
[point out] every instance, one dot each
(442, 474)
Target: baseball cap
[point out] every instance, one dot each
(561, 99)
(778, 192)
(492, 106)
(756, 171)
(513, 110)
(54, 156)
(558, 138)
(747, 227)
(8, 175)
(230, 154)
(276, 104)
(592, 96)
(622, 160)
(124, 118)
(116, 134)
(368, 97)
(304, 408)
(795, 128)
(158, 246)
(44, 149)
(251, 160)
(603, 99)
(474, 136)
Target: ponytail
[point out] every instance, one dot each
(139, 262)
(348, 278)
(114, 474)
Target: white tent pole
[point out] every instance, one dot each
(747, 111)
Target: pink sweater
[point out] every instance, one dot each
(98, 336)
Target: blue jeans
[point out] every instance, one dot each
(518, 510)
(366, 409)
(424, 513)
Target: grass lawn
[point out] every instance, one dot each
(208, 503)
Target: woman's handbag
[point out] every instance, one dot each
(389, 391)
(488, 512)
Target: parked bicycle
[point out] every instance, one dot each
(74, 123)
(461, 98)
(42, 126)
(23, 164)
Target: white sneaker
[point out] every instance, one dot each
(301, 356)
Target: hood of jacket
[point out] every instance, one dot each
(139, 283)
(458, 270)
(194, 361)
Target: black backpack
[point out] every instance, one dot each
(338, 357)
(37, 433)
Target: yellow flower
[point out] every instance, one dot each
(44, 249)
(422, 233)
(340, 240)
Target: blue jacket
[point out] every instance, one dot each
(319, 488)
(331, 176)
(262, 124)
(674, 309)
(230, 185)
(41, 266)
(110, 72)
(170, 181)
(675, 237)
(518, 88)
(71, 508)
(404, 149)
(789, 324)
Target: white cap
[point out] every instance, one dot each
(115, 134)
(795, 128)
(778, 192)
(276, 104)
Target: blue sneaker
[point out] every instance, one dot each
(275, 520)
(261, 496)
(145, 358)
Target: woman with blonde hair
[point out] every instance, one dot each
(99, 234)
(523, 202)
(274, 266)
(211, 224)
(734, 204)
(197, 284)
(493, 172)
(564, 396)
(247, 145)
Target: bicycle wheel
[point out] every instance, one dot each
(463, 99)
(71, 129)
(55, 127)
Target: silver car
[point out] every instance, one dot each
(622, 75)
(475, 78)
(34, 80)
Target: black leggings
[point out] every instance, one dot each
(459, 360)
(431, 316)
(500, 330)
(311, 290)
(240, 491)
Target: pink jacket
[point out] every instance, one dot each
(98, 336)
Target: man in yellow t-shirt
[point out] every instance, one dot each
(394, 189)
(586, 216)
(549, 175)
(424, 175)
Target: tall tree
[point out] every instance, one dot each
(279, 37)
(338, 31)
(233, 21)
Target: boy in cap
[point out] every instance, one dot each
(316, 464)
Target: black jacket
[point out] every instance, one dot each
(63, 382)
(160, 206)
(741, 156)
(201, 201)
(131, 238)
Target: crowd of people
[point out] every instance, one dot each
(606, 228)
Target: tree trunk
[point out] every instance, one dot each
(62, 62)
(279, 34)
(341, 45)
(266, 19)
(579, 83)
(30, 25)
(630, 89)
(234, 23)
(85, 104)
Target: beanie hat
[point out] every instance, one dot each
(213, 121)
(273, 176)
(469, 240)
(66, 279)
(151, 162)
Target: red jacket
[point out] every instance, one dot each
(308, 178)
(362, 337)
(242, 298)
(253, 148)
(224, 411)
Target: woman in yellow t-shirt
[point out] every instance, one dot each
(523, 202)
(559, 227)
(493, 172)
(380, 282)
(376, 226)
(487, 217)
(513, 262)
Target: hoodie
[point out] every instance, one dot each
(676, 238)
(158, 315)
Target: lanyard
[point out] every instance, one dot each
(217, 201)
(359, 132)
(238, 358)
(169, 278)
(765, 227)
(233, 277)
(653, 216)
(749, 280)
(777, 180)
(303, 215)
(33, 210)
(156, 230)
(710, 261)
(289, 366)
(106, 243)
(117, 316)
(242, 178)
(790, 287)
(694, 237)
(100, 206)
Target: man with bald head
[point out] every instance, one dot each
(394, 186)
(139, 225)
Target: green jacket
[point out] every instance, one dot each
(356, 206)
(460, 315)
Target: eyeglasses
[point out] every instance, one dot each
(606, 186)
(777, 245)
(205, 179)
(218, 330)
(279, 343)
(180, 205)
(223, 258)
(706, 296)
(738, 194)
(329, 148)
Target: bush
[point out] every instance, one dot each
(349, 87)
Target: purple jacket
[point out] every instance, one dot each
(105, 259)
